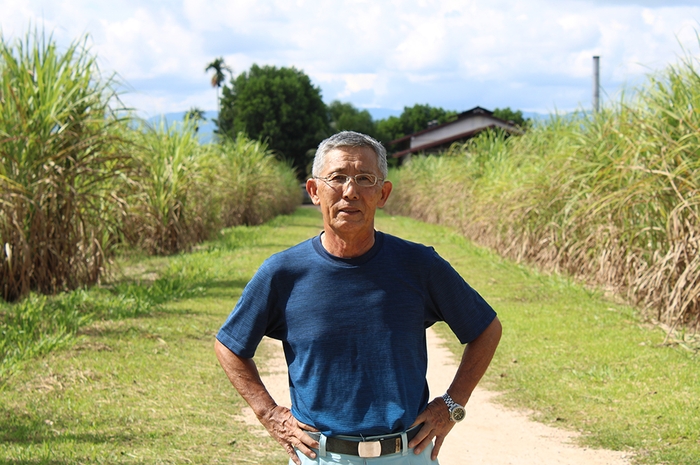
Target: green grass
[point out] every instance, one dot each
(147, 388)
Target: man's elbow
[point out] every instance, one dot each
(497, 329)
(491, 336)
(222, 352)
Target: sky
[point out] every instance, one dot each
(380, 55)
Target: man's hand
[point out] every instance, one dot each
(436, 424)
(289, 432)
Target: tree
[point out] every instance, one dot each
(218, 77)
(277, 105)
(195, 115)
(412, 119)
(345, 117)
(389, 129)
(419, 117)
(510, 115)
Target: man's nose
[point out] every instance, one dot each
(350, 189)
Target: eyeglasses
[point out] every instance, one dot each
(336, 180)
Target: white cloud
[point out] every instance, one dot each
(150, 44)
(424, 46)
(352, 83)
(531, 55)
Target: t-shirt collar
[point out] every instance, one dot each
(355, 261)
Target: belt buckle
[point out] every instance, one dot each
(369, 449)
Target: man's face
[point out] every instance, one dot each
(349, 208)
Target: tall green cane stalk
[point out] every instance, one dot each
(58, 159)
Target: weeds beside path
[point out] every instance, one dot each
(148, 389)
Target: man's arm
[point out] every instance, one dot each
(278, 420)
(475, 360)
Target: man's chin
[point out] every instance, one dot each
(349, 223)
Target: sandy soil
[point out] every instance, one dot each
(491, 434)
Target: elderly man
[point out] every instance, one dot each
(351, 306)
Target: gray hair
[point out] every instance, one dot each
(349, 139)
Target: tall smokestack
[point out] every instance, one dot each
(596, 83)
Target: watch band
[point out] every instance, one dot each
(457, 412)
(448, 400)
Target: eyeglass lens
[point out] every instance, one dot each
(363, 180)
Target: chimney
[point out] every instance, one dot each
(596, 83)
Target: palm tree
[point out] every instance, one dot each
(217, 79)
(195, 115)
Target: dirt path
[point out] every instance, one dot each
(491, 434)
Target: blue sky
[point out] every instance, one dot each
(533, 55)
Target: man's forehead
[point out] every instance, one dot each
(348, 155)
(354, 150)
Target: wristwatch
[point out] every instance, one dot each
(457, 412)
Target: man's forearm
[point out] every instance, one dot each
(243, 374)
(475, 360)
(278, 420)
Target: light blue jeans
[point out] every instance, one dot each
(392, 459)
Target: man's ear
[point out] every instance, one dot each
(312, 190)
(386, 190)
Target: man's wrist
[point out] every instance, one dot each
(456, 411)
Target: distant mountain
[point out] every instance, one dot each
(382, 113)
(536, 116)
(206, 128)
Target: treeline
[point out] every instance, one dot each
(613, 197)
(81, 178)
(345, 117)
(283, 107)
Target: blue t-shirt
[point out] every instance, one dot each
(353, 330)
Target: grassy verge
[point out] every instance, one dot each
(578, 359)
(147, 388)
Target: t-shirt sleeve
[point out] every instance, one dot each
(252, 316)
(455, 302)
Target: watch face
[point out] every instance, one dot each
(458, 414)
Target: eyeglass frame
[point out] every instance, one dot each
(348, 178)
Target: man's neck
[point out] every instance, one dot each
(347, 246)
